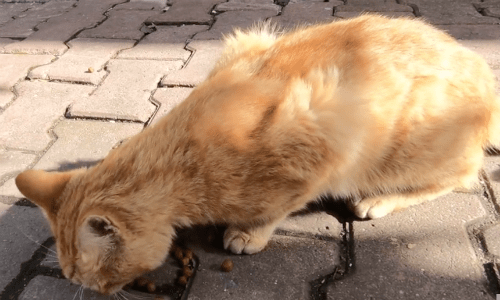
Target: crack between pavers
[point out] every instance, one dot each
(416, 10)
(348, 265)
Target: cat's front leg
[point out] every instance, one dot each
(248, 240)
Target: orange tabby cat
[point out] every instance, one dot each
(391, 111)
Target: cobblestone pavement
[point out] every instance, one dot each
(76, 77)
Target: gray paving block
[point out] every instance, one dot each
(142, 5)
(125, 92)
(44, 287)
(305, 13)
(320, 224)
(13, 162)
(227, 21)
(452, 12)
(82, 143)
(9, 194)
(39, 105)
(492, 169)
(24, 24)
(22, 230)
(472, 32)
(51, 35)
(206, 54)
(248, 5)
(168, 99)
(13, 68)
(10, 10)
(121, 24)
(283, 270)
(492, 240)
(84, 54)
(423, 252)
(166, 43)
(4, 42)
(186, 12)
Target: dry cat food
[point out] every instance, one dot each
(184, 257)
(227, 265)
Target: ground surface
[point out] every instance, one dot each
(76, 77)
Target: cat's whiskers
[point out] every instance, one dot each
(77, 292)
(36, 242)
(132, 295)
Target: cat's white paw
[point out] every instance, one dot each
(373, 209)
(239, 242)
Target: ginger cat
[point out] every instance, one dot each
(390, 111)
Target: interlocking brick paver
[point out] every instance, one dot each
(83, 54)
(168, 99)
(248, 5)
(125, 93)
(186, 12)
(204, 58)
(142, 5)
(167, 42)
(283, 270)
(39, 104)
(22, 229)
(391, 9)
(452, 12)
(227, 21)
(9, 194)
(83, 143)
(14, 67)
(492, 169)
(51, 35)
(121, 24)
(13, 162)
(24, 24)
(303, 13)
(423, 252)
(312, 224)
(473, 32)
(3, 208)
(492, 242)
(10, 10)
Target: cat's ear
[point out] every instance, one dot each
(43, 188)
(97, 236)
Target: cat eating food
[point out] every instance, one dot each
(390, 112)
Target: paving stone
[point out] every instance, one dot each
(312, 224)
(473, 32)
(13, 162)
(14, 67)
(38, 106)
(83, 143)
(492, 168)
(168, 99)
(489, 49)
(166, 43)
(423, 252)
(283, 270)
(452, 12)
(44, 287)
(51, 35)
(125, 92)
(9, 194)
(186, 12)
(204, 58)
(22, 230)
(226, 23)
(10, 10)
(24, 24)
(142, 5)
(4, 208)
(5, 41)
(248, 5)
(121, 24)
(492, 240)
(304, 13)
(387, 9)
(84, 54)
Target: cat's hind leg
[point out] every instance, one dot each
(249, 240)
(380, 206)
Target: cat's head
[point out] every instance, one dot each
(98, 246)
